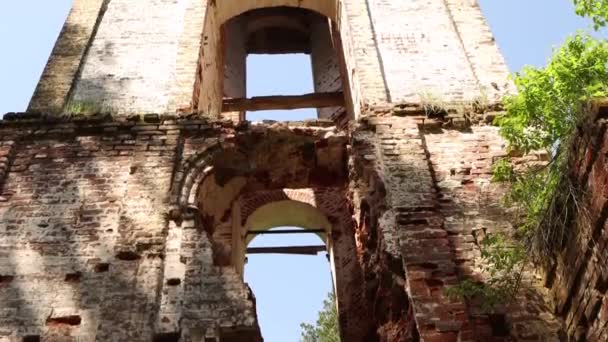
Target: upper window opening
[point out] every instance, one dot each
(278, 31)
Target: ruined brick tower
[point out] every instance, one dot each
(131, 187)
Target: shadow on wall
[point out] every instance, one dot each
(81, 257)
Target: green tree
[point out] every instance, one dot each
(326, 328)
(549, 104)
(597, 10)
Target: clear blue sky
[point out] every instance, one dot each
(289, 289)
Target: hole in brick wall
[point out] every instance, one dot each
(103, 267)
(64, 320)
(73, 277)
(602, 113)
(433, 282)
(31, 338)
(498, 322)
(602, 285)
(413, 221)
(128, 256)
(174, 281)
(5, 279)
(167, 337)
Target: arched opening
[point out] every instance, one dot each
(288, 263)
(240, 191)
(284, 213)
(289, 286)
(236, 29)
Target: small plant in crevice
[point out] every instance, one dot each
(482, 101)
(432, 103)
(87, 108)
(502, 171)
(502, 261)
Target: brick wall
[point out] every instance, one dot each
(140, 56)
(130, 66)
(109, 217)
(188, 54)
(235, 63)
(84, 213)
(577, 275)
(325, 66)
(65, 61)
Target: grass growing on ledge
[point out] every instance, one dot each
(86, 108)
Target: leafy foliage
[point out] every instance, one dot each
(502, 261)
(597, 10)
(550, 99)
(502, 171)
(542, 116)
(326, 328)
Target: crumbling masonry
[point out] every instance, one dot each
(128, 188)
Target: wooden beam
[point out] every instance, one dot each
(301, 250)
(315, 100)
(285, 231)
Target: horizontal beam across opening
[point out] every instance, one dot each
(314, 100)
(302, 250)
(286, 231)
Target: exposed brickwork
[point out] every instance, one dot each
(113, 202)
(472, 207)
(326, 72)
(6, 159)
(578, 275)
(123, 229)
(418, 234)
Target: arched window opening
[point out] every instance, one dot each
(290, 278)
(223, 82)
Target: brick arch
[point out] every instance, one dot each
(253, 201)
(331, 202)
(190, 175)
(228, 9)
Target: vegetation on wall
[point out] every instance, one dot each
(326, 328)
(543, 116)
